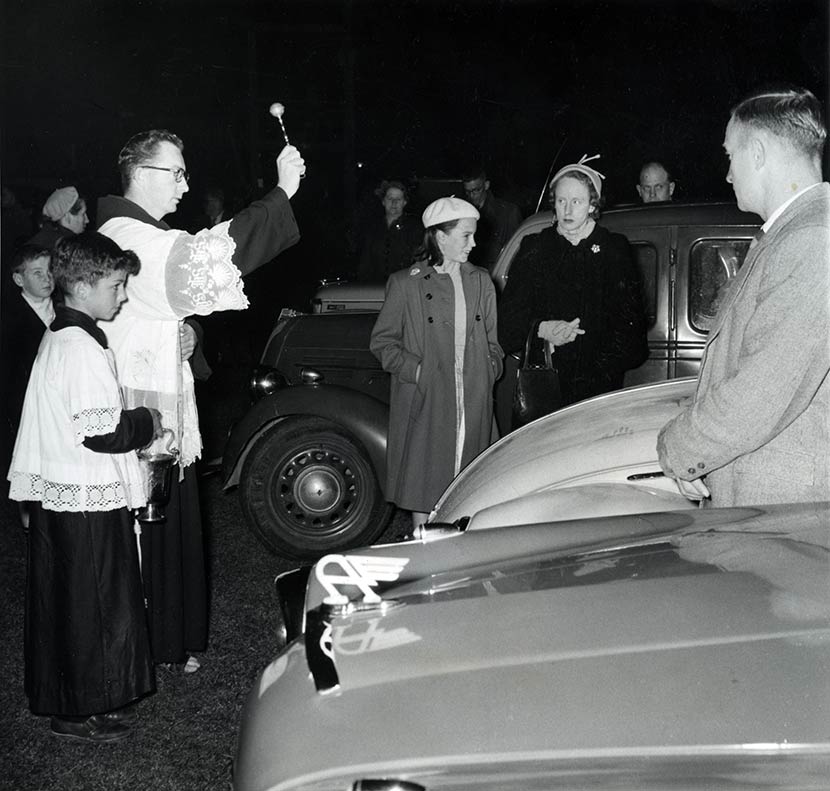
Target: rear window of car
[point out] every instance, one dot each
(713, 263)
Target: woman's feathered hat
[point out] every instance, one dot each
(595, 176)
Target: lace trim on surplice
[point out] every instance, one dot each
(95, 422)
(58, 496)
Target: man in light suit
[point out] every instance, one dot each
(758, 429)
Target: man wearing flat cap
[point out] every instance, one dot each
(758, 430)
(64, 214)
(181, 275)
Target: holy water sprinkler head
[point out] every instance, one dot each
(277, 109)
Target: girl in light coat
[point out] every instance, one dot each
(436, 335)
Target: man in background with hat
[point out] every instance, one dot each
(64, 214)
(758, 430)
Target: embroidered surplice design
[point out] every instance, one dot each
(201, 275)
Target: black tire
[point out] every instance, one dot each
(308, 487)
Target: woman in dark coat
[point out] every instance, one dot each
(390, 240)
(580, 280)
(436, 335)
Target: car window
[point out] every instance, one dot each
(645, 254)
(712, 265)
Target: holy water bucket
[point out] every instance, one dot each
(157, 467)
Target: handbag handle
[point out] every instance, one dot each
(546, 348)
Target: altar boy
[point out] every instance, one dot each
(87, 653)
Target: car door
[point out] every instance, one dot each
(652, 250)
(707, 259)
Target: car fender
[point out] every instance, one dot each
(363, 416)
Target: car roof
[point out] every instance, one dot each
(669, 213)
(669, 635)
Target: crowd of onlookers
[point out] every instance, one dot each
(389, 237)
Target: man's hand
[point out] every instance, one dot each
(558, 332)
(290, 169)
(187, 341)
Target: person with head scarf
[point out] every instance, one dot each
(579, 281)
(436, 335)
(64, 215)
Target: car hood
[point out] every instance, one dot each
(695, 634)
(609, 442)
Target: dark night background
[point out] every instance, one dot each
(410, 89)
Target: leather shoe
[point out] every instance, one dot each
(97, 728)
(126, 715)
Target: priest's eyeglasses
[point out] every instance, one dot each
(178, 173)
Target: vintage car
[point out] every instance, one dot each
(309, 456)
(687, 650)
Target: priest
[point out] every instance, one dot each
(181, 275)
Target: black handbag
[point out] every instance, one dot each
(537, 390)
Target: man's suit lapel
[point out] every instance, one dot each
(736, 288)
(754, 253)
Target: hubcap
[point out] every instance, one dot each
(317, 491)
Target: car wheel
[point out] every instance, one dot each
(308, 487)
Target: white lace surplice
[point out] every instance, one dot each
(181, 275)
(73, 394)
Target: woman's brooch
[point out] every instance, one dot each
(595, 248)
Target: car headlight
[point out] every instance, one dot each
(265, 380)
